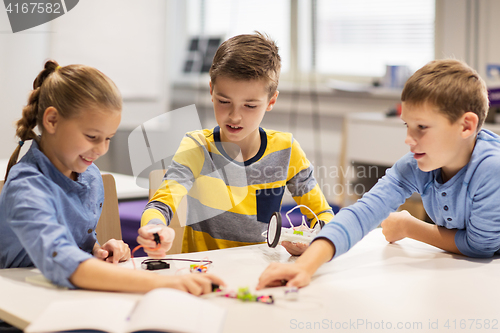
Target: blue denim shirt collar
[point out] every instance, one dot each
(38, 158)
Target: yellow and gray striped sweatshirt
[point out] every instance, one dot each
(229, 202)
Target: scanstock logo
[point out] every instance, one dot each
(26, 14)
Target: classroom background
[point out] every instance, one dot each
(343, 66)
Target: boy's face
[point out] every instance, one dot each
(240, 106)
(434, 140)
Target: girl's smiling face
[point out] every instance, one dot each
(73, 144)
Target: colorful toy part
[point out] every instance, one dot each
(267, 299)
(291, 293)
(194, 268)
(245, 295)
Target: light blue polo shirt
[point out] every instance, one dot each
(469, 202)
(48, 220)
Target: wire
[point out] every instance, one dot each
(137, 248)
(206, 261)
(291, 210)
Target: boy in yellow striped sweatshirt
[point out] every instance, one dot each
(235, 174)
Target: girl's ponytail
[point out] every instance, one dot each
(31, 114)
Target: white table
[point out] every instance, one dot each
(129, 187)
(374, 287)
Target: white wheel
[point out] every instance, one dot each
(274, 230)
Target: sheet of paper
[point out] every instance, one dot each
(173, 310)
(103, 314)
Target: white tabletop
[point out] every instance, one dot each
(374, 287)
(130, 187)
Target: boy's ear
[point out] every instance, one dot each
(50, 119)
(211, 91)
(470, 121)
(272, 101)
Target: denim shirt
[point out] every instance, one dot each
(47, 219)
(469, 202)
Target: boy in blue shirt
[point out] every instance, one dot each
(453, 165)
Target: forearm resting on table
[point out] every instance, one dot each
(99, 275)
(431, 234)
(319, 252)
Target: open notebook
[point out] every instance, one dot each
(160, 310)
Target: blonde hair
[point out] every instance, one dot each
(451, 86)
(70, 89)
(248, 57)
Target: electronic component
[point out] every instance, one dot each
(245, 295)
(194, 268)
(275, 233)
(157, 238)
(153, 265)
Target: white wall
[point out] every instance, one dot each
(468, 30)
(133, 44)
(21, 58)
(123, 38)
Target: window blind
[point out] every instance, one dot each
(361, 37)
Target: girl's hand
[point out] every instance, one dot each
(146, 239)
(279, 274)
(112, 251)
(394, 226)
(196, 284)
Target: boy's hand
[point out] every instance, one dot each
(394, 226)
(196, 284)
(294, 248)
(146, 238)
(279, 274)
(112, 251)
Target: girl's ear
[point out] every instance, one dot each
(470, 120)
(272, 101)
(50, 119)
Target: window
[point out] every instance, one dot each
(361, 37)
(353, 37)
(228, 18)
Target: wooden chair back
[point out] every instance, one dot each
(179, 219)
(109, 223)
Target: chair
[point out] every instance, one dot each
(109, 223)
(1, 185)
(179, 219)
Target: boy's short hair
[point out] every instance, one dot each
(248, 57)
(450, 85)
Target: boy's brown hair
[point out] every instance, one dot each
(248, 57)
(450, 85)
